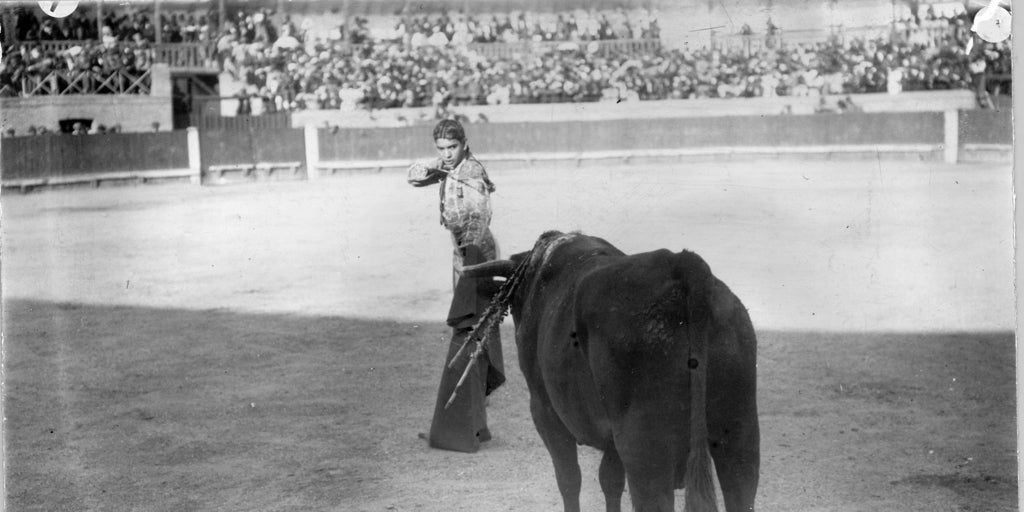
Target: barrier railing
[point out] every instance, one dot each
(203, 55)
(934, 34)
(186, 55)
(752, 43)
(59, 82)
(602, 47)
(60, 46)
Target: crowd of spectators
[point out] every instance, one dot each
(123, 43)
(119, 24)
(578, 25)
(327, 76)
(124, 22)
(423, 62)
(96, 67)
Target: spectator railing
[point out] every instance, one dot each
(752, 43)
(181, 55)
(60, 46)
(186, 55)
(47, 46)
(203, 55)
(847, 34)
(604, 47)
(932, 33)
(627, 46)
(59, 82)
(746, 43)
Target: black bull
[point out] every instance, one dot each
(647, 357)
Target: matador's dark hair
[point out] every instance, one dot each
(449, 129)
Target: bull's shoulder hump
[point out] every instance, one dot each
(612, 278)
(638, 268)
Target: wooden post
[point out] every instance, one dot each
(951, 136)
(159, 23)
(99, 18)
(312, 138)
(222, 16)
(7, 25)
(195, 163)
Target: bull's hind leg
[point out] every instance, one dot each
(613, 480)
(647, 457)
(561, 445)
(737, 461)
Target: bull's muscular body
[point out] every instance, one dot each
(607, 343)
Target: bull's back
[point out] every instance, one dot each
(635, 316)
(638, 317)
(633, 324)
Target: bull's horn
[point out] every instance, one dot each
(503, 268)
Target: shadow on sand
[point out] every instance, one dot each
(130, 408)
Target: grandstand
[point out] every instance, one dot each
(227, 64)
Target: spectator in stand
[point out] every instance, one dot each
(824, 107)
(847, 105)
(525, 26)
(108, 38)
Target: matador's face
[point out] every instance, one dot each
(451, 152)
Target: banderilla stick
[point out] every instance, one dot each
(472, 337)
(486, 321)
(484, 325)
(465, 373)
(451, 364)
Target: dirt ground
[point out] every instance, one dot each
(276, 346)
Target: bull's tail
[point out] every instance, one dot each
(699, 482)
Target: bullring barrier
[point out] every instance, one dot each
(222, 157)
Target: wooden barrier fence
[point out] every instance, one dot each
(60, 155)
(268, 121)
(222, 156)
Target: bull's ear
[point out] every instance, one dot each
(502, 268)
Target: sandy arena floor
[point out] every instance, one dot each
(276, 346)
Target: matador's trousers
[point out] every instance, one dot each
(463, 425)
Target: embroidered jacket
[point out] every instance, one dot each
(465, 193)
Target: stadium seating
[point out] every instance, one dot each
(451, 59)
